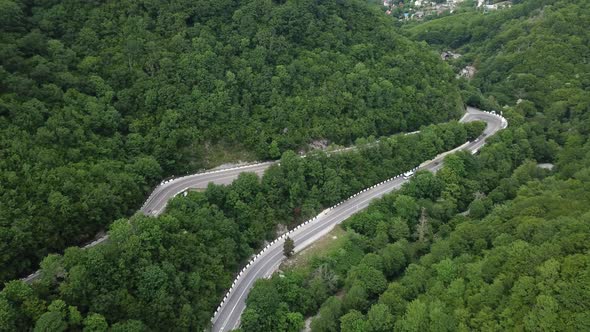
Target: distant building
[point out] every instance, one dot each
(467, 72)
(504, 4)
(447, 55)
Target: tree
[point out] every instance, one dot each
(7, 315)
(406, 207)
(399, 229)
(51, 321)
(380, 319)
(373, 280)
(415, 319)
(250, 320)
(288, 247)
(295, 322)
(356, 297)
(128, 326)
(394, 299)
(353, 321)
(56, 317)
(95, 323)
(19, 305)
(382, 236)
(394, 260)
(274, 152)
(477, 209)
(445, 271)
(439, 319)
(544, 315)
(327, 320)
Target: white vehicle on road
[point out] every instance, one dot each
(409, 174)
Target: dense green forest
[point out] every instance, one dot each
(491, 242)
(154, 273)
(99, 100)
(407, 266)
(535, 51)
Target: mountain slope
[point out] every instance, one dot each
(100, 100)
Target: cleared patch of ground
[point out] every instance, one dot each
(226, 156)
(327, 243)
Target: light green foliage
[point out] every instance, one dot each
(353, 321)
(95, 323)
(415, 319)
(379, 319)
(407, 208)
(356, 297)
(329, 313)
(399, 229)
(54, 319)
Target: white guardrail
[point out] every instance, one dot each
(314, 219)
(155, 191)
(30, 278)
(33, 276)
(283, 236)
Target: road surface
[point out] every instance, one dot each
(227, 316)
(156, 202)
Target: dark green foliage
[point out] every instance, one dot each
(524, 266)
(288, 247)
(172, 270)
(533, 51)
(519, 259)
(99, 100)
(166, 271)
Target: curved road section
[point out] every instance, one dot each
(156, 202)
(263, 265)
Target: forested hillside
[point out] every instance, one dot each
(491, 242)
(536, 51)
(408, 266)
(172, 271)
(99, 100)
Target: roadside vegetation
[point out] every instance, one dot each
(173, 270)
(492, 241)
(101, 100)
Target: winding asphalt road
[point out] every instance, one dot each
(266, 263)
(229, 314)
(157, 201)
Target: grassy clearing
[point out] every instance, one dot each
(208, 156)
(322, 247)
(219, 154)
